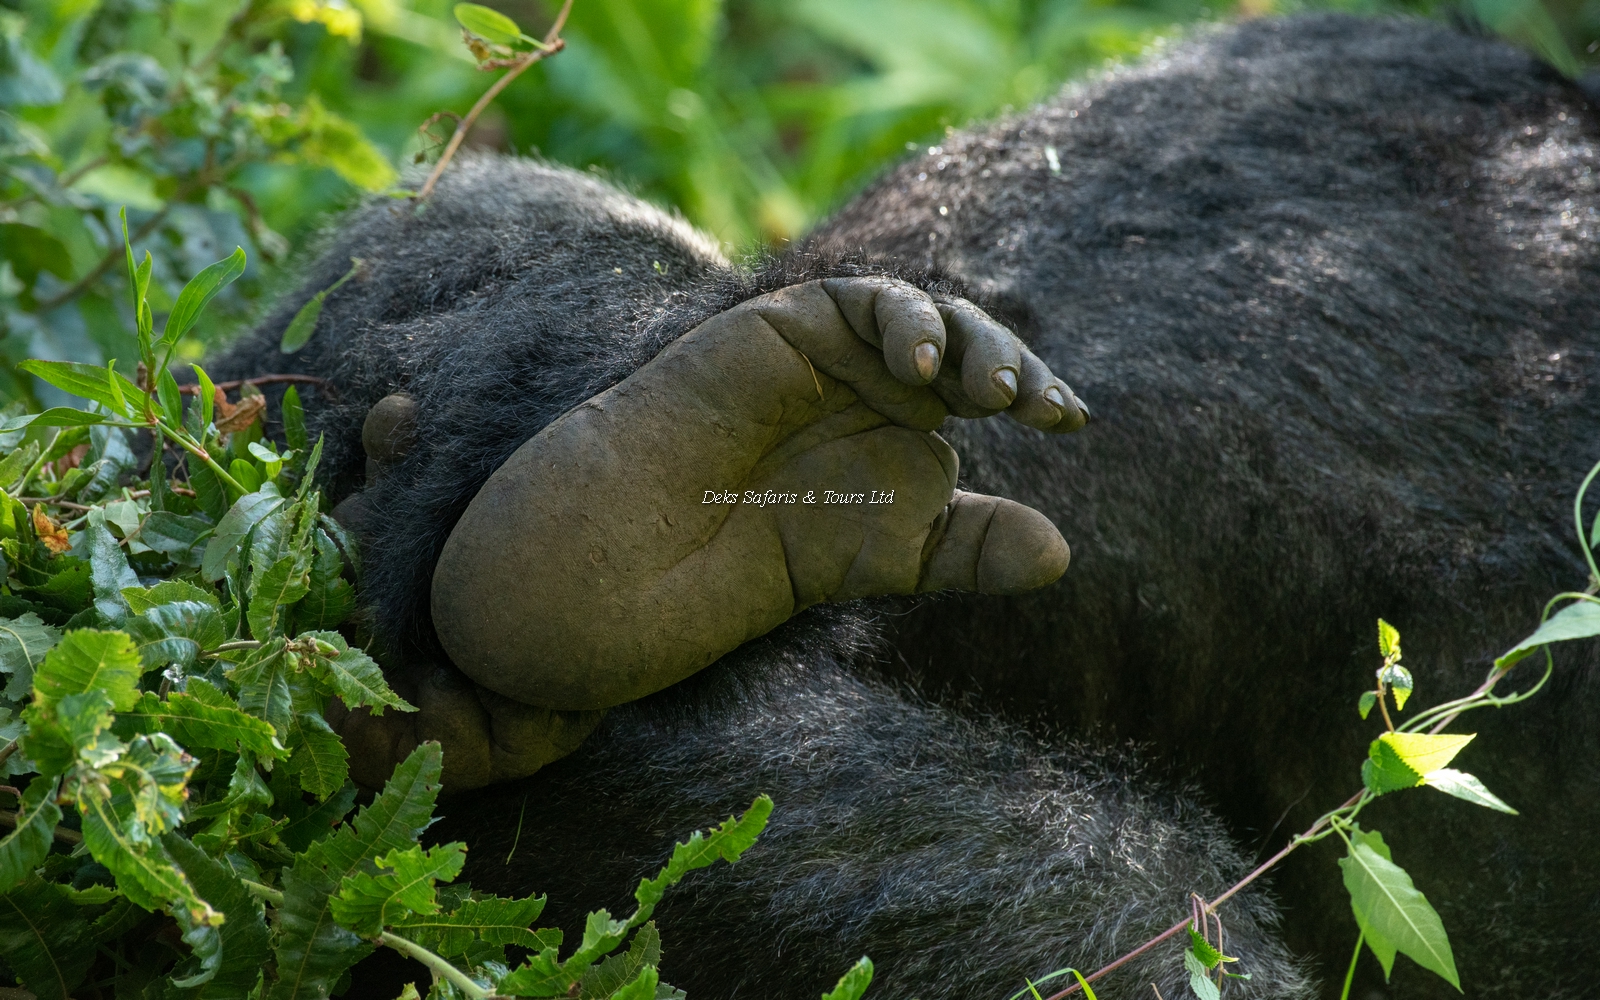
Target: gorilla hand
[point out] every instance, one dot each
(591, 569)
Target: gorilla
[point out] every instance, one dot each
(1328, 287)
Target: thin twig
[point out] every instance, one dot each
(190, 389)
(10, 748)
(553, 43)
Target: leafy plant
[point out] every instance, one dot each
(183, 823)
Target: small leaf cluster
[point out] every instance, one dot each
(173, 633)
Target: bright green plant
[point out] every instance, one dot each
(170, 654)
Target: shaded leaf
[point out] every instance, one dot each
(354, 676)
(1203, 987)
(24, 848)
(23, 643)
(403, 885)
(317, 754)
(1394, 916)
(244, 935)
(299, 331)
(45, 940)
(200, 290)
(1578, 620)
(245, 514)
(1399, 760)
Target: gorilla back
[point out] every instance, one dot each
(1327, 284)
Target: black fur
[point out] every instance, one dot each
(1329, 287)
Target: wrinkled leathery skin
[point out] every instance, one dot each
(827, 386)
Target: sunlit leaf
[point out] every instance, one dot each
(1465, 786)
(200, 290)
(1578, 620)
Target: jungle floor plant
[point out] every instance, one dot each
(169, 632)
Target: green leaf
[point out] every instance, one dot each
(313, 949)
(87, 381)
(1393, 914)
(263, 680)
(61, 735)
(1367, 700)
(31, 250)
(294, 415)
(1578, 620)
(195, 723)
(727, 842)
(209, 494)
(1208, 956)
(17, 463)
(1399, 760)
(24, 642)
(488, 24)
(1388, 640)
(170, 397)
(244, 936)
(1400, 684)
(855, 982)
(1465, 786)
(330, 597)
(317, 754)
(177, 632)
(300, 329)
(494, 920)
(616, 972)
(245, 514)
(45, 940)
(142, 599)
(642, 988)
(24, 848)
(403, 885)
(199, 291)
(144, 871)
(176, 536)
(354, 676)
(87, 659)
(207, 395)
(109, 571)
(273, 592)
(1202, 986)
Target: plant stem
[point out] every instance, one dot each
(1577, 519)
(184, 442)
(11, 748)
(1350, 974)
(435, 964)
(62, 834)
(553, 43)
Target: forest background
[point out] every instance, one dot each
(249, 122)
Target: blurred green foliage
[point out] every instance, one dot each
(245, 122)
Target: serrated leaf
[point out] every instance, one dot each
(109, 571)
(273, 592)
(178, 631)
(494, 920)
(176, 536)
(540, 976)
(45, 940)
(1392, 912)
(263, 680)
(319, 822)
(643, 987)
(354, 676)
(144, 871)
(64, 732)
(86, 659)
(1208, 956)
(1203, 987)
(199, 290)
(24, 641)
(403, 885)
(611, 975)
(1367, 701)
(1578, 620)
(244, 936)
(294, 420)
(1388, 640)
(1423, 752)
(196, 724)
(1465, 786)
(244, 515)
(727, 842)
(317, 754)
(142, 599)
(330, 598)
(1400, 684)
(24, 848)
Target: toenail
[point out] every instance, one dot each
(926, 358)
(1082, 407)
(1053, 396)
(1006, 379)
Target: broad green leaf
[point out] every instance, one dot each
(1392, 913)
(245, 514)
(1388, 640)
(24, 848)
(144, 871)
(87, 381)
(316, 754)
(854, 983)
(31, 250)
(1465, 786)
(210, 496)
(1399, 760)
(299, 331)
(312, 949)
(195, 724)
(73, 730)
(643, 986)
(1366, 702)
(263, 680)
(402, 886)
(171, 398)
(495, 920)
(199, 291)
(1208, 956)
(354, 676)
(616, 972)
(330, 598)
(108, 570)
(244, 935)
(1202, 986)
(17, 463)
(87, 659)
(142, 599)
(176, 536)
(23, 643)
(727, 842)
(176, 632)
(488, 24)
(319, 822)
(1578, 620)
(45, 940)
